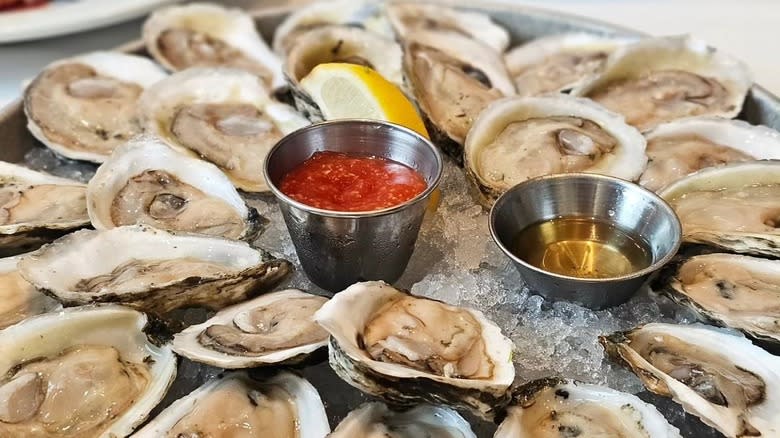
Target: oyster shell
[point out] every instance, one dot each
(519, 138)
(376, 420)
(81, 372)
(151, 269)
(37, 208)
(380, 345)
(19, 299)
(735, 207)
(284, 406)
(559, 62)
(658, 80)
(723, 379)
(225, 116)
(209, 35)
(409, 17)
(733, 290)
(453, 78)
(146, 182)
(550, 408)
(83, 107)
(679, 148)
(271, 329)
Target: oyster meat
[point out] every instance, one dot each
(658, 80)
(83, 372)
(19, 299)
(151, 269)
(225, 116)
(737, 291)
(519, 138)
(735, 207)
(724, 379)
(408, 349)
(84, 107)
(271, 329)
(146, 182)
(376, 420)
(284, 406)
(679, 148)
(556, 408)
(210, 35)
(37, 208)
(558, 62)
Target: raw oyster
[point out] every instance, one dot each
(84, 107)
(284, 406)
(723, 379)
(376, 420)
(225, 116)
(146, 182)
(679, 148)
(657, 80)
(519, 138)
(733, 290)
(37, 208)
(553, 408)
(735, 207)
(407, 349)
(558, 62)
(271, 329)
(453, 78)
(409, 17)
(81, 372)
(209, 35)
(18, 298)
(151, 269)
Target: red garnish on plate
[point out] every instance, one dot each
(12, 5)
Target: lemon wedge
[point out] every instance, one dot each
(343, 90)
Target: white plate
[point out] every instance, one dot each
(60, 17)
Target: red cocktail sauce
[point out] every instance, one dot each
(346, 182)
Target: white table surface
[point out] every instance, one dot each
(749, 29)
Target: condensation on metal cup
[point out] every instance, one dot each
(337, 249)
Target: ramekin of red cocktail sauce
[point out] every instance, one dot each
(353, 194)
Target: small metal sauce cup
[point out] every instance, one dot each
(623, 204)
(337, 249)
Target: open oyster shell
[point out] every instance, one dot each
(209, 35)
(519, 138)
(83, 107)
(37, 208)
(725, 380)
(271, 329)
(733, 290)
(658, 80)
(735, 207)
(81, 372)
(223, 115)
(554, 408)
(19, 299)
(376, 420)
(284, 406)
(151, 269)
(146, 182)
(679, 148)
(407, 349)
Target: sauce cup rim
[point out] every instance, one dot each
(657, 264)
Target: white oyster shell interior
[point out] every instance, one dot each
(376, 420)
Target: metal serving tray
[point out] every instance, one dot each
(523, 23)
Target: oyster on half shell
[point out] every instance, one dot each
(151, 269)
(271, 329)
(658, 80)
(556, 408)
(725, 380)
(284, 406)
(19, 299)
(146, 182)
(407, 349)
(376, 420)
(83, 372)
